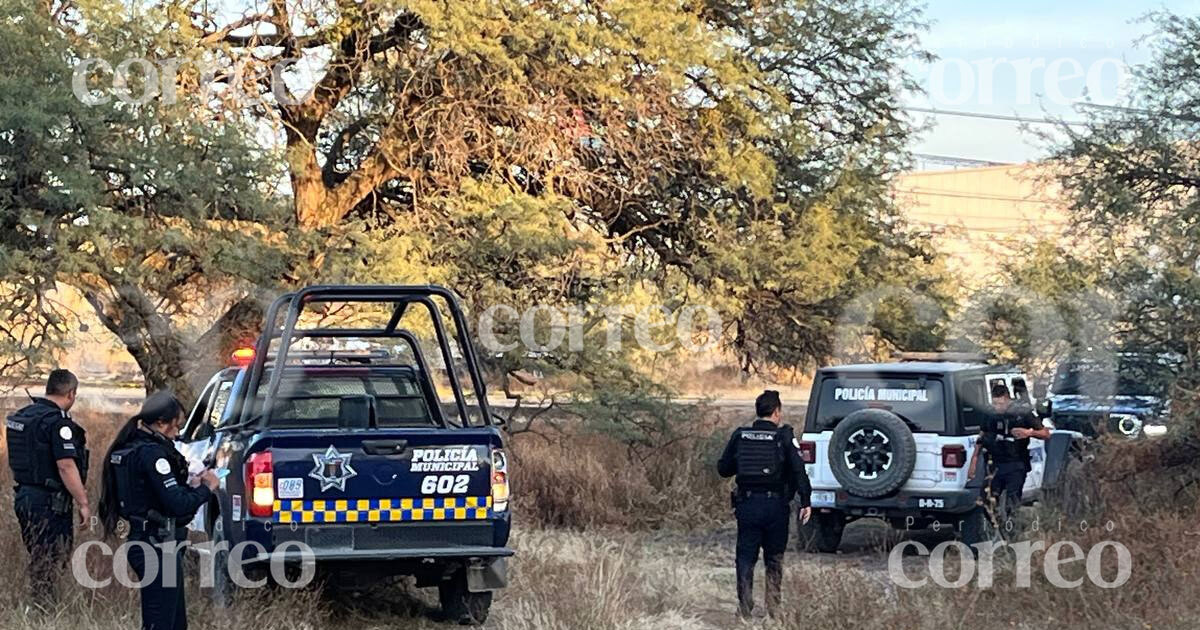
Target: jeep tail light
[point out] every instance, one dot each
(808, 452)
(954, 456)
(499, 480)
(260, 484)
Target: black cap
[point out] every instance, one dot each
(159, 406)
(766, 403)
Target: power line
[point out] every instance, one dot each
(952, 112)
(917, 191)
(957, 161)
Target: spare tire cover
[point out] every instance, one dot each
(872, 453)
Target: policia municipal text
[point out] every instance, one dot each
(48, 455)
(765, 457)
(146, 483)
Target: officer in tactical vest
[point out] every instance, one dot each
(1004, 441)
(48, 455)
(765, 458)
(146, 483)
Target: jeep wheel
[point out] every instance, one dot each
(822, 533)
(461, 606)
(872, 453)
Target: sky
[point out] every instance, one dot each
(1022, 58)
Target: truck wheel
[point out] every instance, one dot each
(872, 453)
(822, 533)
(460, 605)
(223, 586)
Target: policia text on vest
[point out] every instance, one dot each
(765, 459)
(48, 454)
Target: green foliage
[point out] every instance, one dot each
(575, 155)
(1128, 280)
(151, 211)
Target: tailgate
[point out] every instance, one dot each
(382, 475)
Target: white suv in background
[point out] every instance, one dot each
(893, 441)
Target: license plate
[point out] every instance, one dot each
(291, 488)
(823, 498)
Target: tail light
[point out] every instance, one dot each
(260, 483)
(954, 456)
(499, 480)
(808, 452)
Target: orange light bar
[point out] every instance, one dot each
(243, 356)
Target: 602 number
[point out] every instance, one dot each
(445, 484)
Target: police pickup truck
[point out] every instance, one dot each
(893, 441)
(337, 447)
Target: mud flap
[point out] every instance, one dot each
(1058, 449)
(487, 575)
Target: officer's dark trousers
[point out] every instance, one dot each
(163, 607)
(762, 523)
(48, 537)
(1008, 479)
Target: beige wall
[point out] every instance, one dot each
(979, 216)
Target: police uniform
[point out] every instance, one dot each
(153, 495)
(765, 458)
(38, 435)
(1007, 456)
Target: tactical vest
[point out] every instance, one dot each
(134, 499)
(124, 478)
(760, 458)
(29, 453)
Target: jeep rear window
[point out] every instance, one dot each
(316, 400)
(917, 401)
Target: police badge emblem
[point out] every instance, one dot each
(332, 469)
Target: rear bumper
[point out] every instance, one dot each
(905, 504)
(293, 554)
(416, 542)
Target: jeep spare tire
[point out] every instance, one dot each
(872, 453)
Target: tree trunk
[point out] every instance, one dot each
(166, 358)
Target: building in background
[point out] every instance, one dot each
(980, 217)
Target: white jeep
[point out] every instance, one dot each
(893, 441)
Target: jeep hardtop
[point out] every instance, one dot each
(349, 442)
(893, 441)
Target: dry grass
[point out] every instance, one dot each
(608, 541)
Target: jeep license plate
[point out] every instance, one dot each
(823, 498)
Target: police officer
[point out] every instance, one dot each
(765, 458)
(146, 483)
(48, 455)
(1004, 441)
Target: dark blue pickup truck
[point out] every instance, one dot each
(346, 446)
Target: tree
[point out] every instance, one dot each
(739, 148)
(141, 208)
(734, 154)
(1132, 176)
